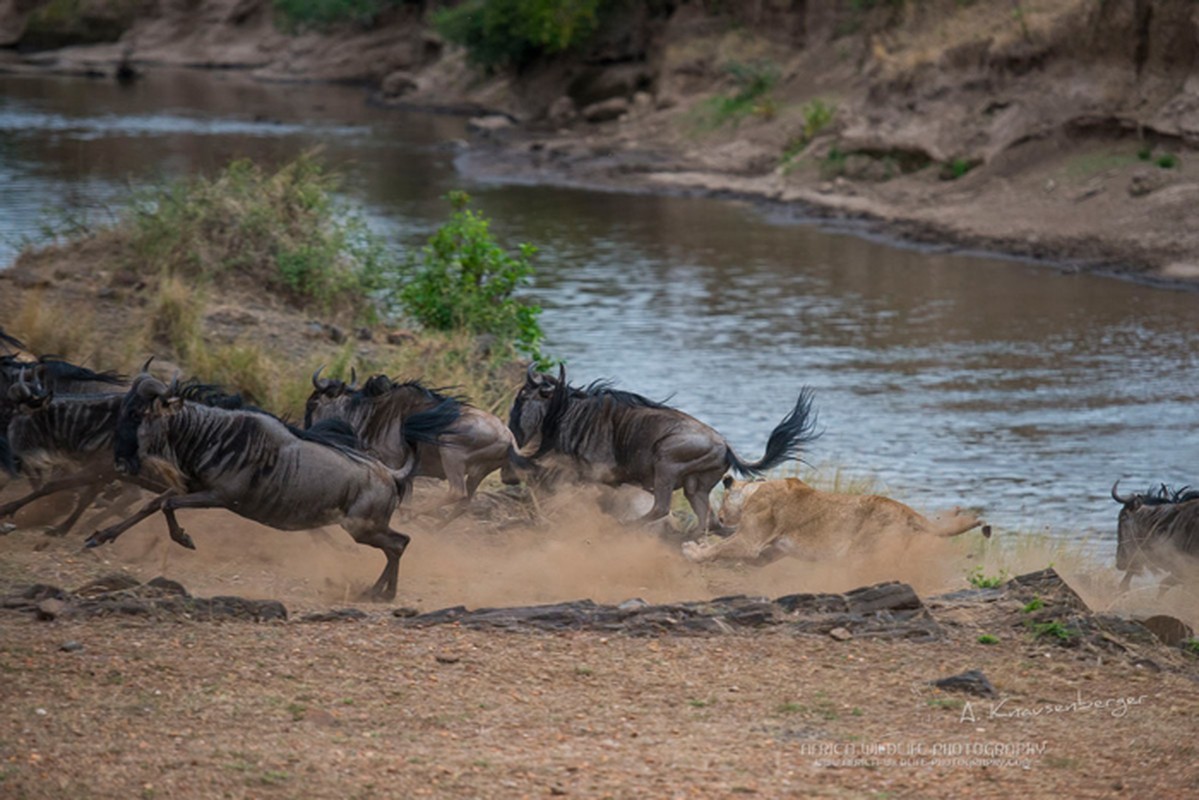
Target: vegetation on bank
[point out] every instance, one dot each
(280, 239)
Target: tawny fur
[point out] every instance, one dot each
(788, 517)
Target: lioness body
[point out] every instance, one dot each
(788, 517)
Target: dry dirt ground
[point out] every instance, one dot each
(122, 706)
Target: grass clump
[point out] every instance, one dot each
(515, 33)
(817, 115)
(987, 638)
(1167, 161)
(463, 279)
(1053, 629)
(1190, 646)
(980, 580)
(754, 81)
(281, 230)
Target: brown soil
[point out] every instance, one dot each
(184, 708)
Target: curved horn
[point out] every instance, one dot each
(318, 383)
(353, 378)
(151, 387)
(146, 366)
(20, 390)
(562, 373)
(532, 377)
(1121, 500)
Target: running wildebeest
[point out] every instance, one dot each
(47, 431)
(614, 437)
(1159, 530)
(255, 465)
(475, 445)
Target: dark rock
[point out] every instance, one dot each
(50, 609)
(113, 582)
(401, 337)
(364, 334)
(1046, 585)
(336, 334)
(562, 111)
(404, 612)
(43, 591)
(491, 125)
(335, 615)
(70, 647)
(608, 82)
(885, 596)
(445, 658)
(1170, 630)
(972, 682)
(166, 586)
(606, 110)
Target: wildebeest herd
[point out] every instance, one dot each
(192, 445)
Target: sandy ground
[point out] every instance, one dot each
(372, 709)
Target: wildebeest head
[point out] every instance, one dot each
(147, 397)
(325, 391)
(26, 395)
(1144, 517)
(532, 400)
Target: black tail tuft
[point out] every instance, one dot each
(787, 440)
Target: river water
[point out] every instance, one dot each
(949, 378)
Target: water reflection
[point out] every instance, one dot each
(954, 379)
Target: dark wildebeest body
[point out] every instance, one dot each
(250, 463)
(58, 422)
(615, 437)
(475, 445)
(1159, 530)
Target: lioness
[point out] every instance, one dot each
(788, 517)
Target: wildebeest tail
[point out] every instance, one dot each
(8, 464)
(787, 440)
(425, 427)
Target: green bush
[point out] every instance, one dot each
(280, 229)
(298, 15)
(754, 81)
(514, 33)
(464, 280)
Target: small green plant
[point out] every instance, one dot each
(464, 280)
(294, 16)
(817, 115)
(698, 703)
(1036, 604)
(1054, 629)
(833, 164)
(946, 702)
(1167, 161)
(754, 81)
(789, 708)
(1190, 646)
(987, 638)
(980, 580)
(957, 168)
(515, 33)
(1145, 153)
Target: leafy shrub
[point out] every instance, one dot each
(297, 15)
(514, 33)
(1053, 629)
(987, 638)
(464, 280)
(1168, 161)
(280, 229)
(754, 81)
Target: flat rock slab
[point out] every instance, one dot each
(888, 610)
(121, 594)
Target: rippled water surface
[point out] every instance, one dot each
(951, 378)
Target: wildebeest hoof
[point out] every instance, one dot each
(181, 538)
(98, 538)
(377, 596)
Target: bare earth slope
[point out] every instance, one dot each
(1048, 104)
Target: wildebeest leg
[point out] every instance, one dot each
(698, 489)
(111, 533)
(393, 544)
(81, 504)
(664, 483)
(82, 478)
(1127, 582)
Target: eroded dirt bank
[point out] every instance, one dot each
(1036, 130)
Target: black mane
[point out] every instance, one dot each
(1164, 495)
(56, 370)
(589, 404)
(380, 385)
